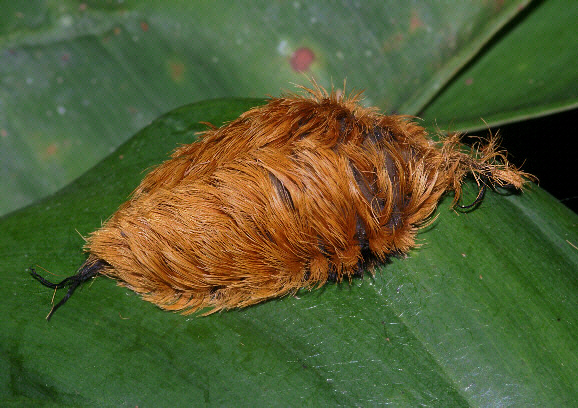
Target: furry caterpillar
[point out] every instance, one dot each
(305, 189)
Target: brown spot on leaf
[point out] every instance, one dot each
(415, 22)
(177, 70)
(50, 150)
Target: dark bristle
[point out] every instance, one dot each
(89, 270)
(478, 200)
(482, 184)
(282, 191)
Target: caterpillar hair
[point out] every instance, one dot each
(303, 190)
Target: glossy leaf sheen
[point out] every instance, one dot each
(528, 73)
(482, 314)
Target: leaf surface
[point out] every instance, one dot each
(482, 314)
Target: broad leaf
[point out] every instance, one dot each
(482, 314)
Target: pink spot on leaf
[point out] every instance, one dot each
(302, 59)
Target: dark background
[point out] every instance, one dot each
(546, 148)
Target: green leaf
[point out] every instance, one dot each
(528, 72)
(77, 78)
(482, 314)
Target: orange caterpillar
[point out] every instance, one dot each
(289, 195)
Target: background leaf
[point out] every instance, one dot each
(528, 71)
(77, 78)
(481, 315)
